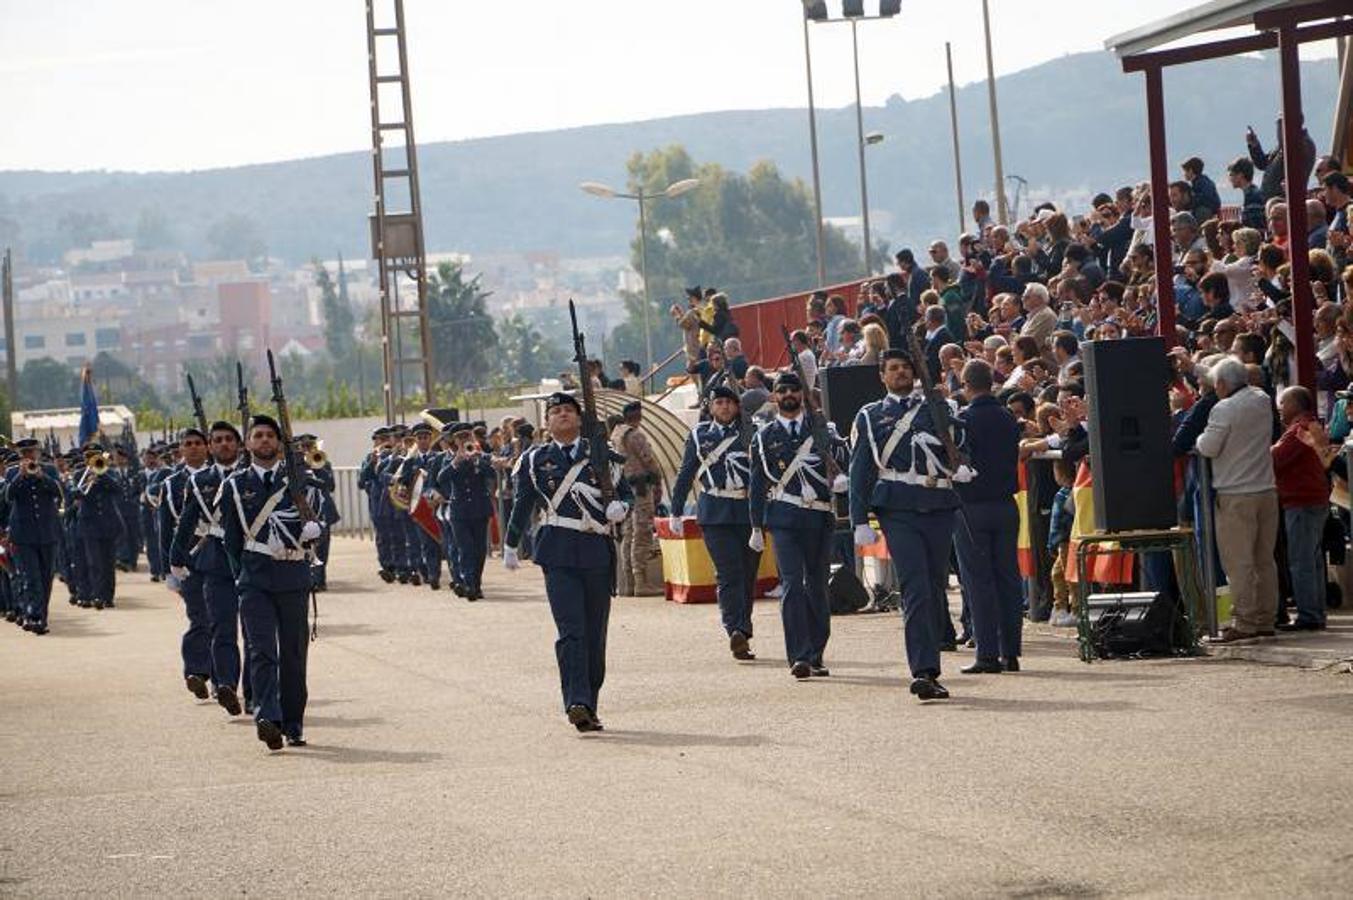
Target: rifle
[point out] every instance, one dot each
(817, 423)
(939, 407)
(593, 430)
(243, 408)
(295, 475)
(198, 412)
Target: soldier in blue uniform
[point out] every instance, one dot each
(716, 457)
(443, 505)
(147, 508)
(899, 473)
(32, 493)
(71, 555)
(391, 475)
(271, 547)
(198, 561)
(425, 552)
(790, 493)
(98, 525)
(175, 497)
(988, 555)
(466, 481)
(132, 480)
(575, 549)
(378, 501)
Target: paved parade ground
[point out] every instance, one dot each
(440, 763)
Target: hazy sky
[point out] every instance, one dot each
(187, 84)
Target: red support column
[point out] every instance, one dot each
(1297, 170)
(1160, 206)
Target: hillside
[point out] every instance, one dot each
(1070, 126)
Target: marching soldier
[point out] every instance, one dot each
(378, 500)
(264, 533)
(175, 496)
(442, 501)
(72, 556)
(198, 560)
(790, 493)
(898, 472)
(466, 481)
(99, 523)
(129, 541)
(716, 456)
(148, 505)
(391, 474)
(573, 547)
(32, 493)
(425, 553)
(323, 483)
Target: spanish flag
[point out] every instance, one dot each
(1105, 564)
(1028, 563)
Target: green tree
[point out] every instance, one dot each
(47, 384)
(752, 236)
(339, 336)
(236, 236)
(527, 355)
(153, 231)
(464, 340)
(116, 382)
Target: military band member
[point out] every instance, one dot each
(900, 473)
(129, 541)
(790, 493)
(574, 548)
(271, 545)
(716, 457)
(425, 552)
(198, 561)
(378, 501)
(32, 493)
(98, 493)
(175, 497)
(466, 482)
(147, 509)
(323, 483)
(442, 501)
(403, 540)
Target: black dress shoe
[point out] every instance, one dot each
(386, 575)
(473, 594)
(98, 604)
(963, 638)
(928, 689)
(86, 604)
(416, 580)
(37, 627)
(435, 585)
(403, 578)
(73, 601)
(296, 741)
(583, 718)
(26, 625)
(801, 670)
(1011, 663)
(225, 695)
(741, 646)
(982, 667)
(948, 647)
(197, 686)
(820, 671)
(110, 605)
(270, 734)
(249, 706)
(1301, 626)
(458, 588)
(11, 615)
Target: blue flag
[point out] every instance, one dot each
(89, 407)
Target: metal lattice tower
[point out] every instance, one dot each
(396, 237)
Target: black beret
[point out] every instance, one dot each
(26, 444)
(266, 422)
(421, 428)
(559, 398)
(378, 433)
(725, 392)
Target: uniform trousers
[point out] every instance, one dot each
(319, 573)
(988, 563)
(580, 601)
(196, 644)
(275, 623)
(803, 556)
(430, 551)
(223, 611)
(383, 528)
(471, 537)
(450, 550)
(100, 568)
(413, 545)
(148, 528)
(735, 566)
(918, 542)
(35, 565)
(129, 540)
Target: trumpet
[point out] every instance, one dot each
(317, 459)
(97, 463)
(30, 467)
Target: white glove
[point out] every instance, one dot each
(179, 572)
(616, 511)
(964, 474)
(676, 526)
(840, 484)
(757, 541)
(865, 535)
(172, 582)
(311, 531)
(510, 560)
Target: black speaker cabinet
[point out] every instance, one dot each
(1126, 385)
(1135, 624)
(847, 388)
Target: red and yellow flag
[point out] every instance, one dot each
(1106, 563)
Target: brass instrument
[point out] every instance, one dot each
(317, 459)
(30, 467)
(399, 493)
(98, 463)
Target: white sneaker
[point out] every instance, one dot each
(1062, 619)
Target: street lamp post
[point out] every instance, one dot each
(671, 192)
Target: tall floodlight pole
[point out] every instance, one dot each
(953, 124)
(817, 174)
(1002, 215)
(859, 135)
(11, 354)
(671, 192)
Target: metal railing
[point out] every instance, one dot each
(355, 515)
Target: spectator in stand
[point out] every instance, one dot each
(1269, 282)
(629, 374)
(951, 298)
(916, 278)
(1303, 494)
(755, 392)
(936, 336)
(1216, 295)
(875, 341)
(689, 322)
(981, 215)
(1338, 196)
(835, 311)
(712, 373)
(972, 279)
(1040, 321)
(1048, 260)
(939, 256)
(1241, 174)
(1185, 236)
(1065, 603)
(1317, 227)
(803, 349)
(1065, 350)
(1206, 200)
(1236, 439)
(1078, 261)
(1110, 233)
(734, 358)
(1239, 267)
(1277, 225)
(719, 327)
(850, 345)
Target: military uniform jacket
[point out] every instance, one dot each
(467, 485)
(150, 490)
(198, 541)
(717, 460)
(31, 505)
(574, 532)
(369, 480)
(324, 483)
(263, 533)
(174, 499)
(898, 462)
(98, 497)
(789, 482)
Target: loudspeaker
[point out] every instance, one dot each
(1126, 385)
(1136, 624)
(847, 388)
(845, 591)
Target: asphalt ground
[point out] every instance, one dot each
(440, 763)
